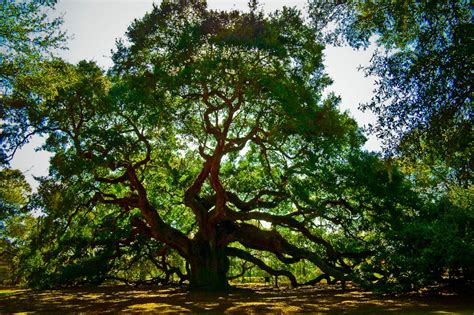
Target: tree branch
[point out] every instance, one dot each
(235, 252)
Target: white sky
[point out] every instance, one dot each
(95, 24)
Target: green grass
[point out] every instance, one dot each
(10, 291)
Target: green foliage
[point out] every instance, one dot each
(424, 109)
(71, 245)
(14, 192)
(15, 221)
(423, 96)
(429, 240)
(26, 30)
(27, 36)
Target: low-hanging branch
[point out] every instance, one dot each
(232, 251)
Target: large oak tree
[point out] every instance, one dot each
(210, 124)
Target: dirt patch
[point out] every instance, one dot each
(248, 299)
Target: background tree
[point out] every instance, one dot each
(423, 100)
(14, 192)
(27, 36)
(14, 219)
(423, 97)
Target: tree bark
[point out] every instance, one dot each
(209, 268)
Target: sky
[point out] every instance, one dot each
(94, 25)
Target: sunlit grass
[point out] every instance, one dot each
(155, 307)
(10, 291)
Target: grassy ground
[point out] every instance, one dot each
(249, 299)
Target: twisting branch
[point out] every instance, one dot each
(291, 223)
(142, 139)
(244, 268)
(256, 202)
(252, 237)
(19, 144)
(235, 252)
(318, 279)
(238, 144)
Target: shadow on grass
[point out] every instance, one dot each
(249, 299)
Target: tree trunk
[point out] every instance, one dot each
(209, 268)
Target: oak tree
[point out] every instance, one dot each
(212, 135)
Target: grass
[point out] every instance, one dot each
(10, 291)
(248, 299)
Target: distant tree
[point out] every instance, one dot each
(14, 219)
(14, 192)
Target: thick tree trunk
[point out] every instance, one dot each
(209, 268)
